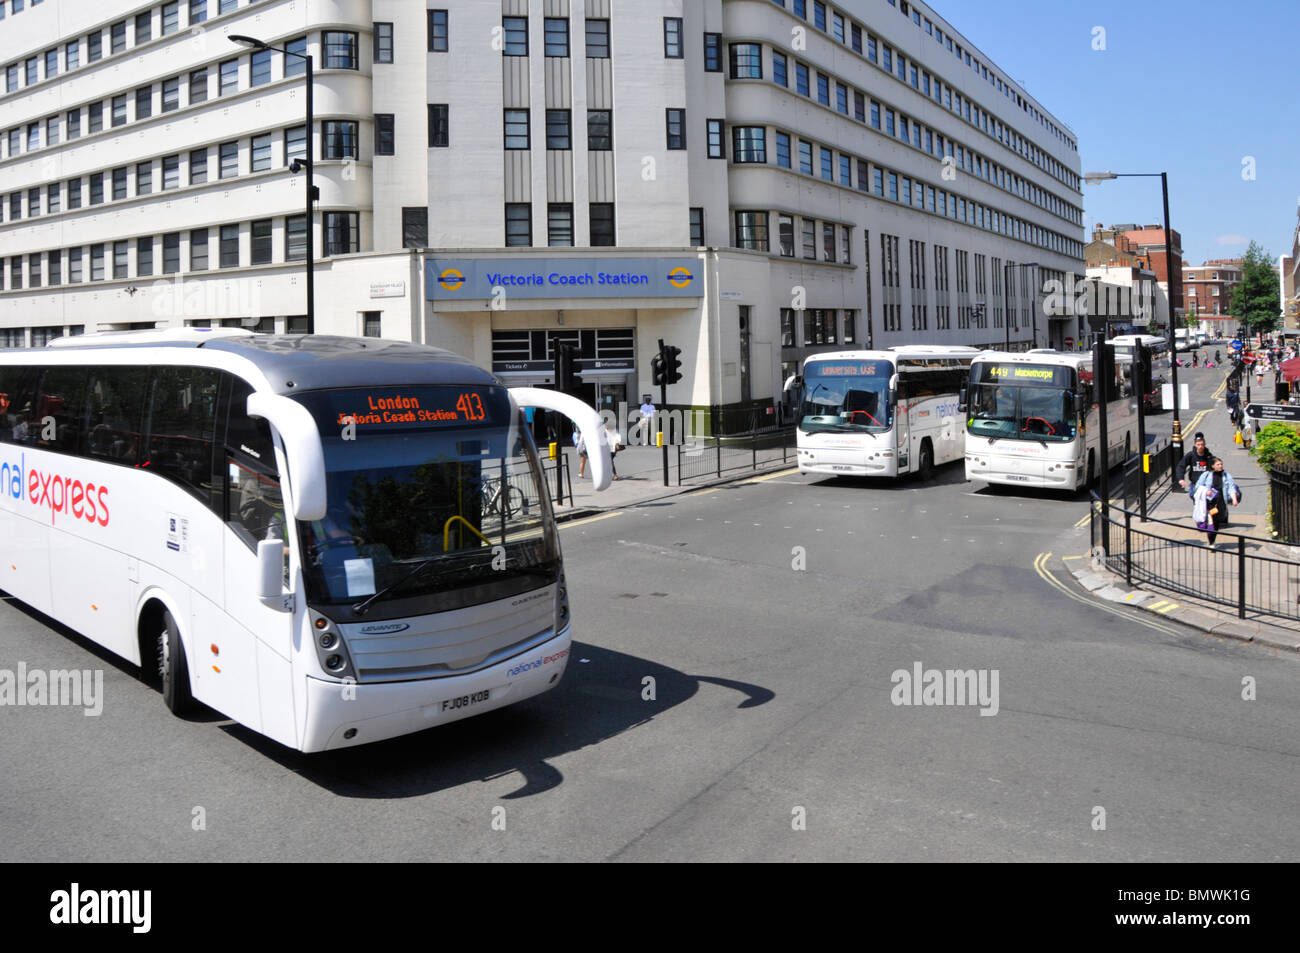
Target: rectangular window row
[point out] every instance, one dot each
(896, 124)
(559, 224)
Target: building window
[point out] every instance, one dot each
(143, 28)
(119, 184)
(823, 89)
(198, 166)
(713, 52)
(673, 38)
(260, 153)
(226, 6)
(144, 256)
(171, 94)
(437, 31)
(96, 189)
(746, 61)
(75, 274)
(805, 157)
(96, 263)
(74, 194)
(598, 39)
(779, 69)
(341, 233)
(415, 228)
(94, 47)
(676, 119)
(295, 238)
(199, 249)
(72, 54)
(557, 129)
(53, 197)
(119, 110)
(716, 148)
(697, 227)
(229, 247)
(555, 36)
(52, 131)
(229, 77)
(783, 150)
(34, 277)
(516, 36)
(383, 33)
(828, 166)
(385, 136)
(144, 178)
(801, 79)
(516, 128)
(51, 63)
(228, 165)
(171, 17)
(602, 223)
(338, 139)
(749, 143)
(198, 86)
(785, 235)
(171, 260)
(121, 259)
(198, 11)
(439, 134)
(118, 33)
(808, 229)
(295, 65)
(340, 50)
(559, 224)
(519, 225)
(259, 68)
(600, 130)
(751, 230)
(828, 242)
(261, 241)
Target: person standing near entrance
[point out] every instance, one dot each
(647, 419)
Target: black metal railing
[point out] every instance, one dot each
(1284, 501)
(1158, 479)
(754, 447)
(1236, 573)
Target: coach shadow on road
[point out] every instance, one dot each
(946, 475)
(598, 699)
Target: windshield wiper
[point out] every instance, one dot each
(362, 607)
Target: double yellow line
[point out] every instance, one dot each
(1040, 567)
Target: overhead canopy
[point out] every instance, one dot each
(1291, 369)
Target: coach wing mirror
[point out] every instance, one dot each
(270, 576)
(584, 417)
(962, 398)
(302, 448)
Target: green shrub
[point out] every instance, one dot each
(1277, 443)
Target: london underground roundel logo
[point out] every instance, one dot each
(451, 279)
(680, 277)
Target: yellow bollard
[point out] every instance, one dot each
(1146, 463)
(555, 450)
(659, 439)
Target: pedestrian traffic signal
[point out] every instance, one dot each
(672, 364)
(657, 369)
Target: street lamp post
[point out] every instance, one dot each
(1094, 178)
(1006, 295)
(300, 165)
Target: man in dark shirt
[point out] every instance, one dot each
(1195, 462)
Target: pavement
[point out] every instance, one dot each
(1250, 519)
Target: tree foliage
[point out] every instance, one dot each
(1256, 301)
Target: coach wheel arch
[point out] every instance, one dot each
(925, 466)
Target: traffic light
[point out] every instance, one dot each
(672, 364)
(657, 369)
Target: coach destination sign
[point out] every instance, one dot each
(449, 279)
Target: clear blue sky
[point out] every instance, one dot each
(1187, 88)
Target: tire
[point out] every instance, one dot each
(173, 668)
(925, 466)
(513, 501)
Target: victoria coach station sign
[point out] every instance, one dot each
(450, 279)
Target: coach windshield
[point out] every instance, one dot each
(433, 493)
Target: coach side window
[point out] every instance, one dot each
(115, 404)
(181, 427)
(18, 404)
(254, 504)
(61, 411)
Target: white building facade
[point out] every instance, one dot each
(762, 180)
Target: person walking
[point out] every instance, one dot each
(1215, 491)
(1194, 357)
(1194, 463)
(1217, 358)
(1233, 400)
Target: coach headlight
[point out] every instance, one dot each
(331, 650)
